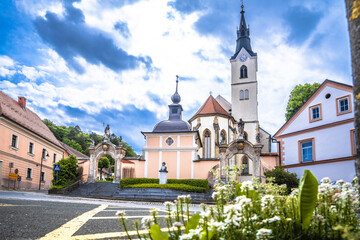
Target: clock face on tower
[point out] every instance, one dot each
(243, 57)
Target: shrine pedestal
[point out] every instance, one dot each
(163, 178)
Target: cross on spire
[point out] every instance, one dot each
(177, 81)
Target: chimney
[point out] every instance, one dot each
(22, 102)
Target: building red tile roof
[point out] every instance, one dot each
(23, 116)
(211, 106)
(127, 161)
(76, 153)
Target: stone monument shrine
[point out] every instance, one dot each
(103, 148)
(163, 172)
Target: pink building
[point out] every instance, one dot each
(27, 144)
(173, 142)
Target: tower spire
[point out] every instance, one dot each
(243, 35)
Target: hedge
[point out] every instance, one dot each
(124, 183)
(181, 187)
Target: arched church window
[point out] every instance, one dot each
(245, 163)
(245, 136)
(207, 144)
(223, 137)
(241, 95)
(243, 72)
(246, 94)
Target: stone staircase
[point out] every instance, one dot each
(113, 191)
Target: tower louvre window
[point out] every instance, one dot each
(243, 72)
(246, 94)
(241, 94)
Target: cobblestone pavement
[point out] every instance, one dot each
(36, 215)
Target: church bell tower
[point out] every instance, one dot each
(244, 81)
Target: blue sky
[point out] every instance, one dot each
(91, 62)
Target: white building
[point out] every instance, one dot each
(320, 135)
(217, 119)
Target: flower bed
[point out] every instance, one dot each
(253, 210)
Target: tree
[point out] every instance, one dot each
(283, 177)
(68, 171)
(103, 163)
(129, 150)
(353, 17)
(111, 159)
(298, 96)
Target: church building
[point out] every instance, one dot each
(192, 150)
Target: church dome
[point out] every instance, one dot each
(172, 126)
(175, 98)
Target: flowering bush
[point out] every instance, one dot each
(253, 210)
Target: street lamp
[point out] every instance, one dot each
(273, 140)
(44, 154)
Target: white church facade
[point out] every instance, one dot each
(191, 149)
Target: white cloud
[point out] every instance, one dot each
(171, 44)
(37, 8)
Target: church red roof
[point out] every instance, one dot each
(23, 116)
(211, 106)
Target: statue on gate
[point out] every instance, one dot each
(241, 125)
(107, 133)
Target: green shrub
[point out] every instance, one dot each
(68, 173)
(191, 182)
(282, 177)
(109, 179)
(181, 187)
(131, 181)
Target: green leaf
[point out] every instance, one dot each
(308, 190)
(211, 233)
(193, 222)
(157, 234)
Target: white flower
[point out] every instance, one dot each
(254, 218)
(230, 208)
(177, 224)
(267, 199)
(346, 186)
(205, 214)
(215, 224)
(120, 213)
(244, 202)
(273, 219)
(263, 233)
(154, 211)
(145, 221)
(188, 236)
(247, 185)
(295, 192)
(325, 180)
(340, 182)
(221, 188)
(214, 195)
(355, 180)
(196, 232)
(168, 204)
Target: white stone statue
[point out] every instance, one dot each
(162, 174)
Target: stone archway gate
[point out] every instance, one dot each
(105, 147)
(240, 146)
